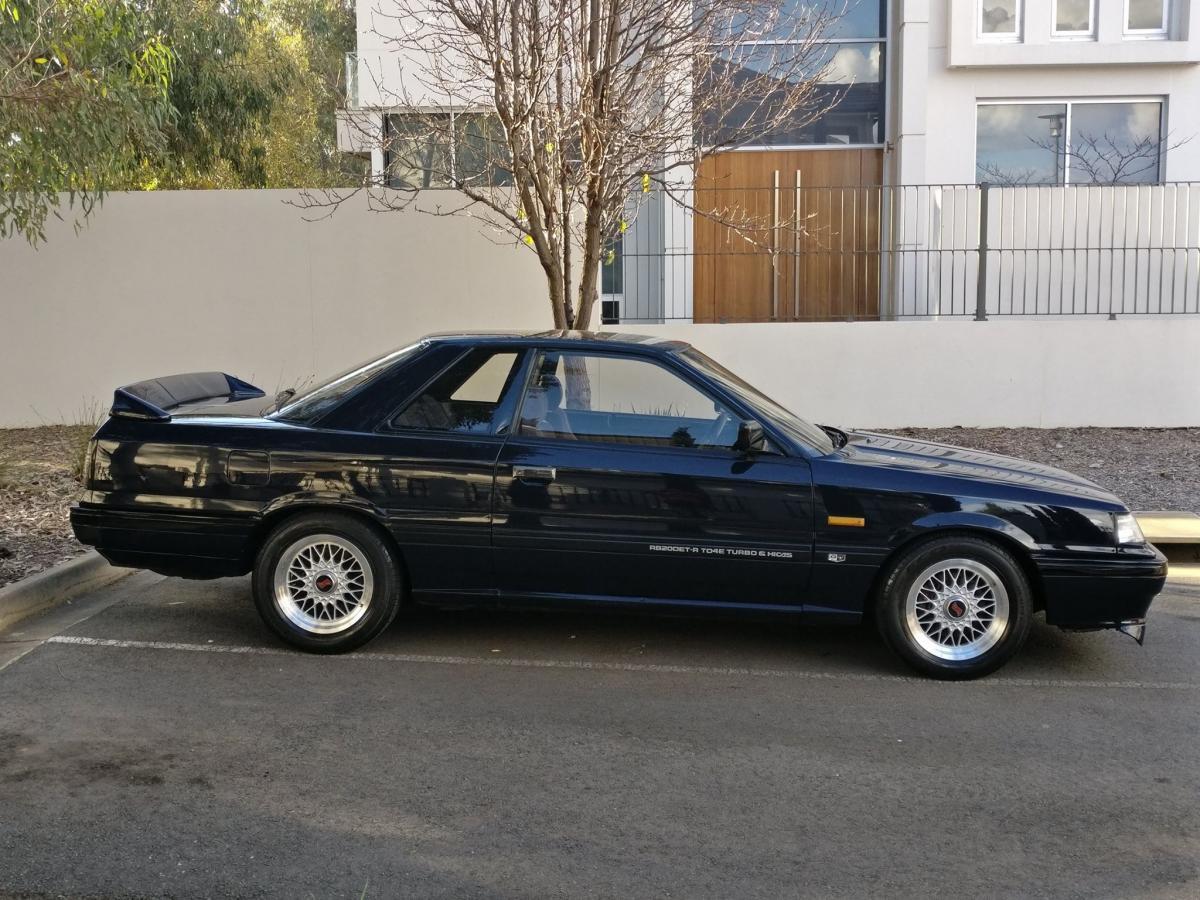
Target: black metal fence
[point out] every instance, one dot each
(912, 251)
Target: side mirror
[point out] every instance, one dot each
(750, 438)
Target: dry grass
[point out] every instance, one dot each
(40, 474)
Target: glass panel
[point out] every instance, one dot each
(999, 17)
(846, 106)
(612, 272)
(802, 430)
(480, 150)
(418, 152)
(1073, 16)
(330, 393)
(465, 398)
(1020, 143)
(795, 20)
(1115, 143)
(1147, 15)
(620, 400)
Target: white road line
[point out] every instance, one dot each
(503, 662)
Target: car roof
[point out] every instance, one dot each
(605, 339)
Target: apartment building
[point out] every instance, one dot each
(926, 100)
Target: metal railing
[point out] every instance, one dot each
(911, 251)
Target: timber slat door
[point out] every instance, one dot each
(788, 235)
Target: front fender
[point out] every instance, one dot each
(971, 521)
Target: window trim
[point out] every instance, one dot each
(513, 431)
(1001, 37)
(1088, 35)
(1161, 33)
(1069, 103)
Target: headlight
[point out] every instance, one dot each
(1128, 530)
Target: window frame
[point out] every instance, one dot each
(1001, 37)
(882, 40)
(1161, 33)
(1088, 35)
(534, 363)
(1069, 103)
(502, 425)
(452, 116)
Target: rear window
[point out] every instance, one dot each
(321, 399)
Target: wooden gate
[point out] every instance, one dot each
(787, 235)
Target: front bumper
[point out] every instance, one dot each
(1110, 591)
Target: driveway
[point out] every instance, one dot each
(162, 743)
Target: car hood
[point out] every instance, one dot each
(895, 452)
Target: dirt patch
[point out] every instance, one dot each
(39, 477)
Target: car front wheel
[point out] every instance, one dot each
(326, 582)
(955, 607)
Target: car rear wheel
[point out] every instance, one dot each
(327, 582)
(955, 607)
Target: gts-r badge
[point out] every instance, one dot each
(836, 557)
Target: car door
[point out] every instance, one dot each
(430, 468)
(619, 481)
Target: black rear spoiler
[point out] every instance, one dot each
(155, 398)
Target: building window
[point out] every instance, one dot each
(442, 150)
(1000, 20)
(1073, 19)
(1070, 142)
(1147, 18)
(847, 107)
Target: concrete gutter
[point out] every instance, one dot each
(56, 585)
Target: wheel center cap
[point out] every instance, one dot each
(323, 583)
(956, 608)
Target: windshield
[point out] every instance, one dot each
(798, 428)
(324, 397)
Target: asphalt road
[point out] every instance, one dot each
(162, 743)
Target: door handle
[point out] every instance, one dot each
(534, 474)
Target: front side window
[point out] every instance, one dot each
(999, 20)
(621, 400)
(1073, 18)
(467, 398)
(1072, 142)
(1147, 18)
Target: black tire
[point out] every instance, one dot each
(927, 646)
(341, 546)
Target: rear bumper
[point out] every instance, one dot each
(1087, 592)
(192, 545)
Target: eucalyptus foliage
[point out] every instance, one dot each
(84, 91)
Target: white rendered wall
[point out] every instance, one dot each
(238, 281)
(934, 116)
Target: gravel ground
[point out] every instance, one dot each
(1149, 468)
(36, 489)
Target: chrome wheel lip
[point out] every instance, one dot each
(315, 557)
(936, 595)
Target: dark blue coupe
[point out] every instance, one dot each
(611, 470)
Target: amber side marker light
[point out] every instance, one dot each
(848, 521)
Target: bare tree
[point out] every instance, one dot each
(555, 119)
